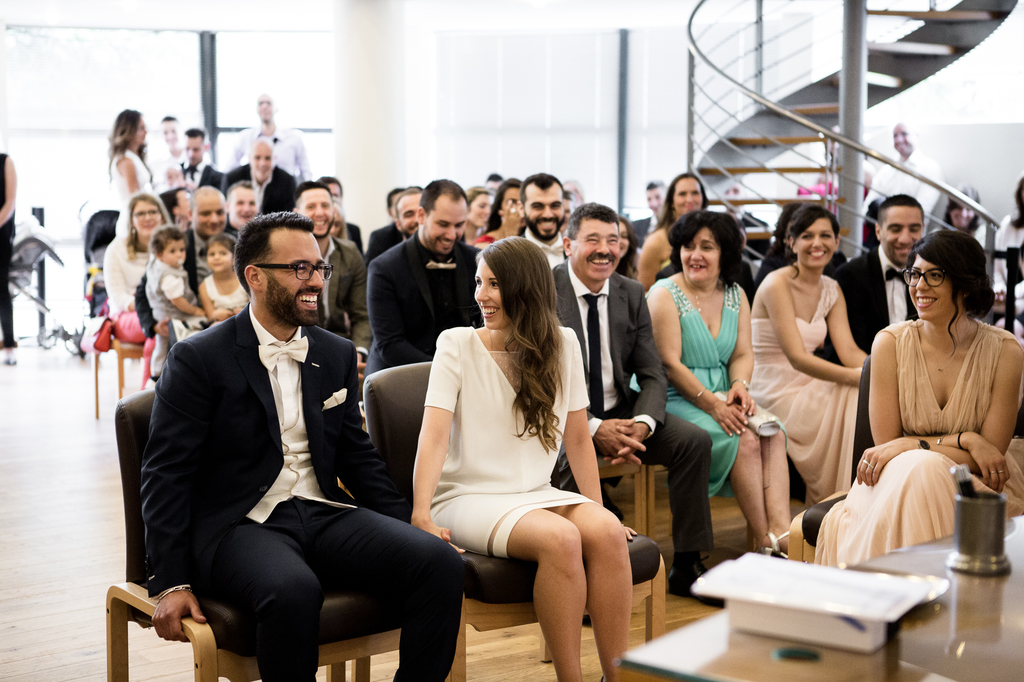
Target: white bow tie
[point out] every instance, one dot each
(296, 349)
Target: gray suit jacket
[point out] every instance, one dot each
(632, 341)
(347, 294)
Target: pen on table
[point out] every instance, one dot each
(964, 481)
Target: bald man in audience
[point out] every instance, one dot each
(889, 181)
(291, 150)
(341, 308)
(274, 187)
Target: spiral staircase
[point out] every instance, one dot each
(765, 85)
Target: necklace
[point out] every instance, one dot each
(696, 297)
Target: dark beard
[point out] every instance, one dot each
(284, 307)
(534, 229)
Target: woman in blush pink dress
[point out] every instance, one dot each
(944, 390)
(793, 310)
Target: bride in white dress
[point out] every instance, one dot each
(128, 170)
(500, 401)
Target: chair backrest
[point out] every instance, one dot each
(862, 438)
(131, 423)
(393, 399)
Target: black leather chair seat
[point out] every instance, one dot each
(510, 581)
(344, 615)
(813, 517)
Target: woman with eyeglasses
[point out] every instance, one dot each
(945, 389)
(795, 308)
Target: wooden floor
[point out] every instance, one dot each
(62, 540)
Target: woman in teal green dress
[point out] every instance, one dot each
(701, 320)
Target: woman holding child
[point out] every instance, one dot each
(500, 401)
(701, 322)
(945, 389)
(793, 310)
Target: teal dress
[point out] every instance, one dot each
(708, 359)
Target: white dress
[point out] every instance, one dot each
(119, 188)
(236, 299)
(491, 476)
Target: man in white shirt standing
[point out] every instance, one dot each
(889, 181)
(289, 149)
(254, 423)
(175, 155)
(544, 210)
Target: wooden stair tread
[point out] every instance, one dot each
(743, 170)
(911, 48)
(757, 201)
(780, 139)
(813, 109)
(955, 15)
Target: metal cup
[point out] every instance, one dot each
(978, 535)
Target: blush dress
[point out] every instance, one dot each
(819, 415)
(913, 501)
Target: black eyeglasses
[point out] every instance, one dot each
(302, 270)
(934, 277)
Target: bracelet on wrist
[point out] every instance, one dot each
(697, 397)
(745, 383)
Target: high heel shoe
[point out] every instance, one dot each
(775, 550)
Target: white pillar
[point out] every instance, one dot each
(368, 130)
(5, 138)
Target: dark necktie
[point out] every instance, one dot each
(190, 172)
(594, 356)
(892, 273)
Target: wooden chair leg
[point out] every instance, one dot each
(120, 374)
(458, 671)
(655, 625)
(361, 669)
(96, 380)
(204, 649)
(640, 491)
(651, 485)
(117, 638)
(336, 672)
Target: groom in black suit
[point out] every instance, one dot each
(876, 295)
(254, 423)
(596, 302)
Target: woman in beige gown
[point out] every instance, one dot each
(944, 390)
(793, 310)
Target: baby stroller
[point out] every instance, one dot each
(31, 249)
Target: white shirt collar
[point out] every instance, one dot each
(886, 263)
(553, 247)
(580, 289)
(266, 338)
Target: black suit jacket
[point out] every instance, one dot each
(401, 306)
(211, 178)
(215, 446)
(631, 336)
(382, 239)
(355, 235)
(641, 228)
(279, 194)
(866, 304)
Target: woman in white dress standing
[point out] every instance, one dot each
(128, 170)
(499, 402)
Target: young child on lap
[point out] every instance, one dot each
(221, 293)
(168, 291)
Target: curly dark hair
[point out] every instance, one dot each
(529, 301)
(778, 247)
(961, 257)
(725, 232)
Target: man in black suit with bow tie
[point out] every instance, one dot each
(876, 295)
(254, 423)
(197, 172)
(424, 285)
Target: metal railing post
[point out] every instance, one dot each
(1012, 277)
(690, 69)
(759, 46)
(852, 103)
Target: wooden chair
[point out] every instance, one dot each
(803, 531)
(125, 351)
(353, 626)
(499, 592)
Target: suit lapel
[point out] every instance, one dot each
(880, 302)
(312, 409)
(465, 306)
(569, 310)
(419, 273)
(248, 356)
(618, 321)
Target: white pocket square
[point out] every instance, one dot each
(336, 399)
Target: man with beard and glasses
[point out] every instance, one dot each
(255, 422)
(610, 317)
(342, 307)
(424, 285)
(544, 211)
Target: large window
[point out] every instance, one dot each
(66, 86)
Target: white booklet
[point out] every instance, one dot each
(830, 606)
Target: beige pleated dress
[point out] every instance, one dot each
(913, 501)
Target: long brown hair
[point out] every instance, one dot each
(122, 135)
(528, 299)
(668, 215)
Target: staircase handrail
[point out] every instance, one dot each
(949, 191)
